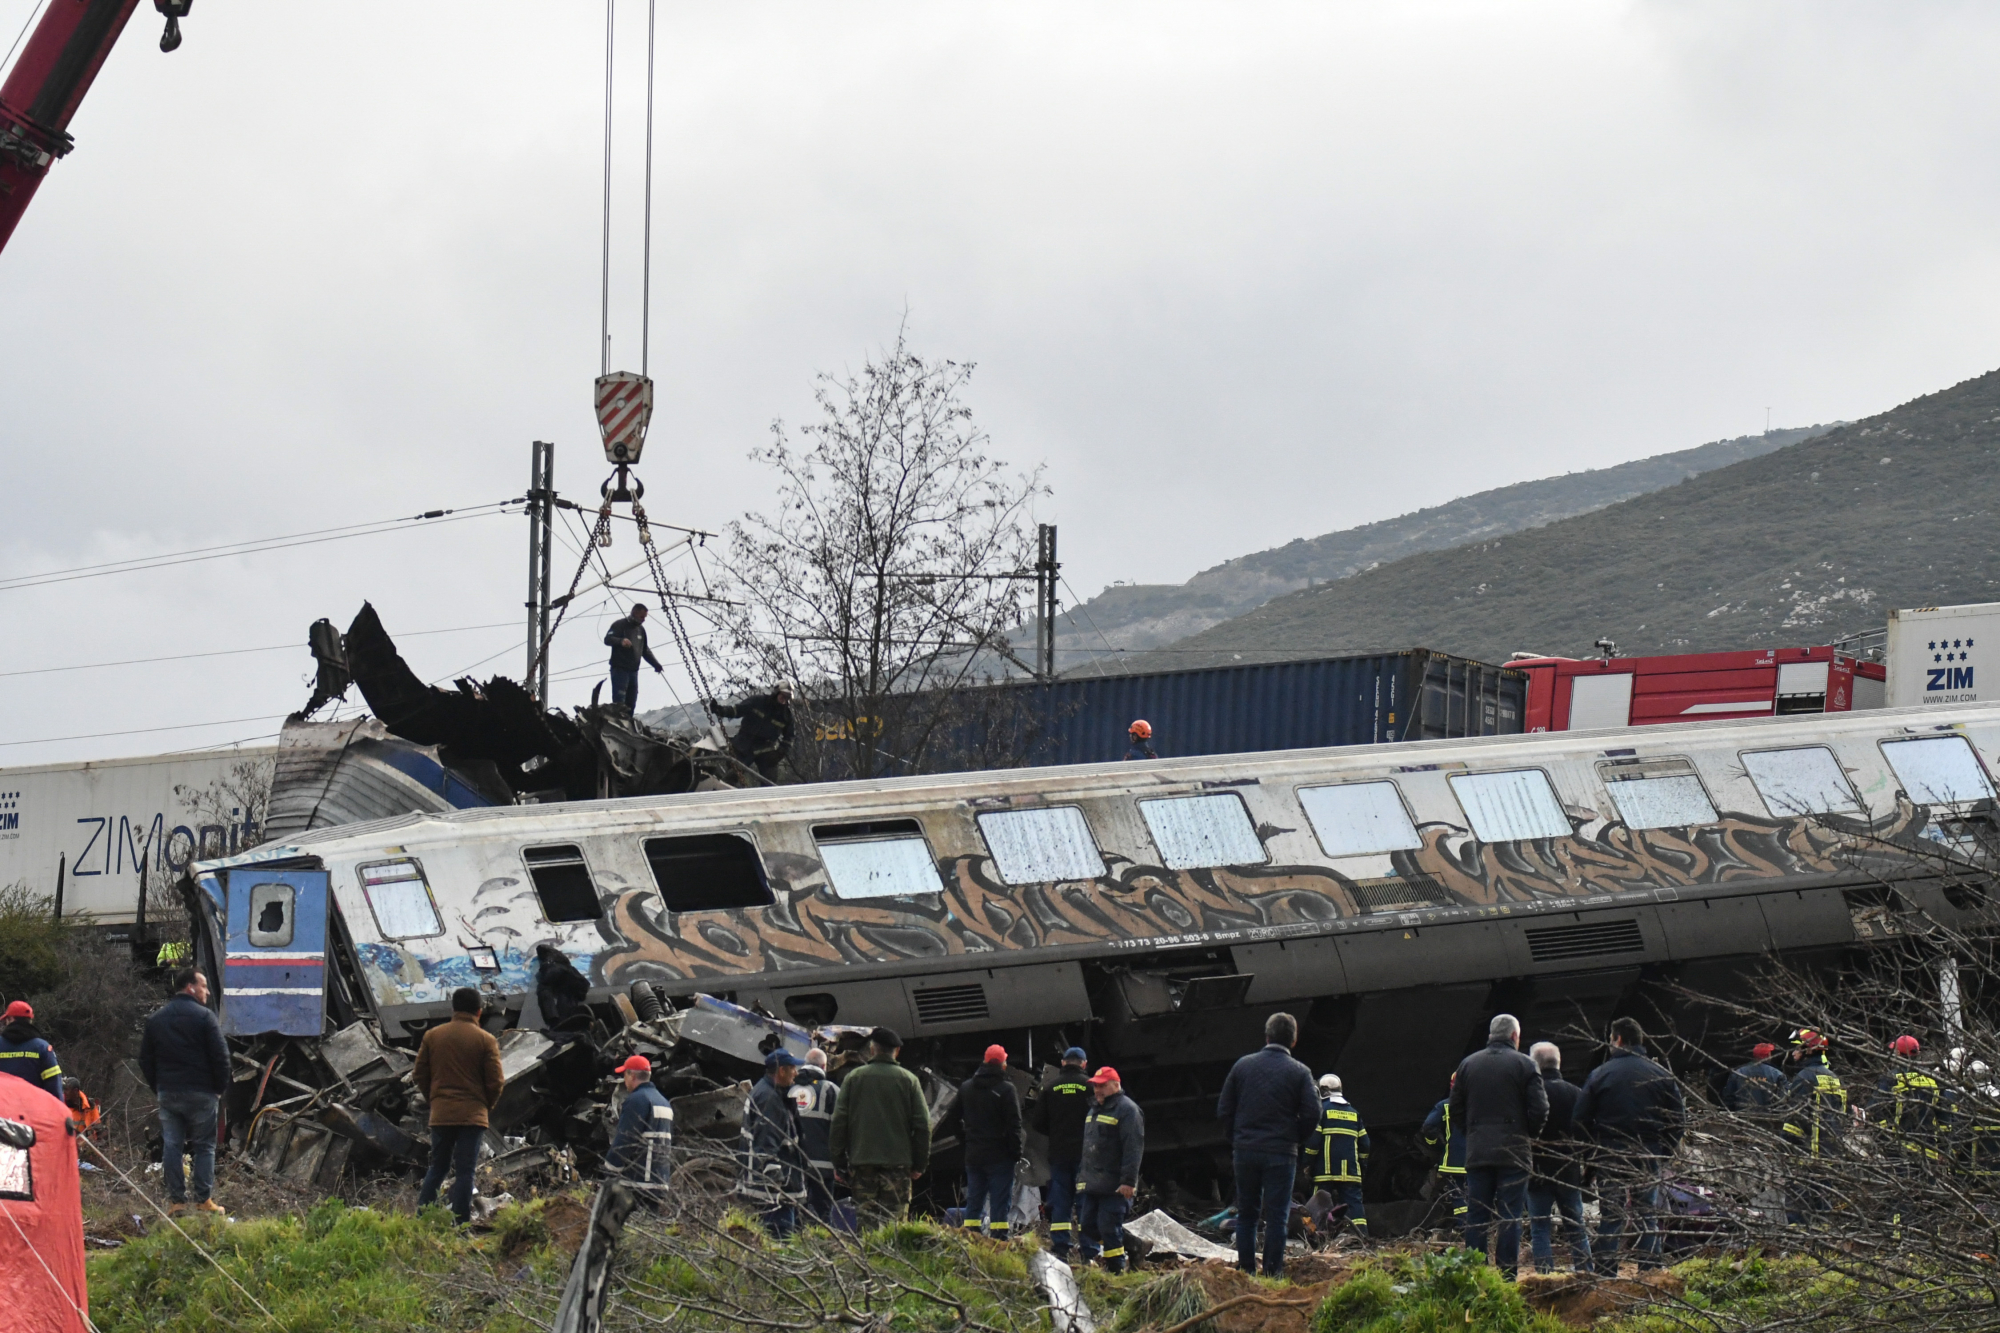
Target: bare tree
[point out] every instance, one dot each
(887, 577)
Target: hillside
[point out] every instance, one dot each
(1132, 617)
(1793, 547)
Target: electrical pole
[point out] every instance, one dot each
(541, 537)
(1046, 570)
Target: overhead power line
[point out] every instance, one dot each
(255, 547)
(144, 731)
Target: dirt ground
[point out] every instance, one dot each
(1223, 1283)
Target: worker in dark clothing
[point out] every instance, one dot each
(764, 740)
(1815, 1105)
(1058, 1112)
(816, 1096)
(186, 1063)
(1756, 1087)
(1114, 1141)
(771, 1169)
(560, 990)
(1443, 1137)
(1341, 1152)
(1635, 1113)
(642, 1145)
(1910, 1105)
(1499, 1097)
(1141, 735)
(1555, 1189)
(991, 1112)
(24, 1052)
(1269, 1110)
(627, 641)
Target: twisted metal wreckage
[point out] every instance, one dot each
(1393, 896)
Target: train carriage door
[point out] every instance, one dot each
(274, 952)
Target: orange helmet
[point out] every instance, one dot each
(1142, 729)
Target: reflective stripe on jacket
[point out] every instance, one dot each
(1343, 1143)
(1440, 1134)
(1813, 1107)
(1114, 1141)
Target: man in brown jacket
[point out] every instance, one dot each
(458, 1071)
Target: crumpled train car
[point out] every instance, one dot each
(1393, 896)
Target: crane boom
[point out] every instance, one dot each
(47, 84)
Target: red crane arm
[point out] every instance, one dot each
(48, 82)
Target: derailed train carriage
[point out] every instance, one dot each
(1393, 896)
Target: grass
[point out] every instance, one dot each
(1428, 1293)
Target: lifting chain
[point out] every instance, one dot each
(600, 535)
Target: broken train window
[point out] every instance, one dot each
(1046, 846)
(271, 907)
(1938, 770)
(1656, 793)
(562, 882)
(1803, 781)
(1359, 818)
(705, 872)
(400, 899)
(1199, 832)
(886, 858)
(1513, 806)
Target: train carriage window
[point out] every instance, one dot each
(1657, 793)
(562, 881)
(1938, 770)
(1359, 819)
(17, 1168)
(271, 907)
(1805, 781)
(706, 872)
(1041, 846)
(887, 858)
(1513, 806)
(1198, 832)
(400, 900)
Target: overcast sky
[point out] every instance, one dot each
(1235, 273)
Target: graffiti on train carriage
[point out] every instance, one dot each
(1151, 905)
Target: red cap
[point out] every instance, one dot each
(1106, 1074)
(1904, 1045)
(996, 1055)
(1763, 1050)
(635, 1064)
(20, 1009)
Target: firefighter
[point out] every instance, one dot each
(1141, 734)
(1815, 1103)
(1114, 1141)
(1448, 1141)
(1340, 1151)
(1908, 1104)
(24, 1052)
(1756, 1086)
(1059, 1113)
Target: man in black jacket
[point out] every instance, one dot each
(991, 1111)
(186, 1064)
(1555, 1191)
(1499, 1097)
(1269, 1110)
(764, 740)
(1757, 1087)
(627, 641)
(1114, 1143)
(771, 1167)
(1635, 1112)
(1058, 1112)
(560, 990)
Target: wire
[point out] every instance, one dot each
(24, 30)
(253, 547)
(80, 1314)
(604, 321)
(145, 731)
(231, 652)
(1078, 605)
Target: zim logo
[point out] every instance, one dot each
(1949, 678)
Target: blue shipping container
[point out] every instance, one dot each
(1413, 695)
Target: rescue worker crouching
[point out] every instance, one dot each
(1447, 1140)
(1059, 1113)
(1341, 1152)
(1114, 1141)
(771, 1169)
(642, 1146)
(764, 739)
(26, 1054)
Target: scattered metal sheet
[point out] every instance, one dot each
(589, 1286)
(712, 1115)
(1068, 1311)
(1167, 1236)
(739, 1032)
(356, 1052)
(376, 1131)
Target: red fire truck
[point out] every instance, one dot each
(1575, 694)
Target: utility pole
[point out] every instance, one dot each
(1046, 570)
(541, 537)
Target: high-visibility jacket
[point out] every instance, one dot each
(1342, 1146)
(1907, 1103)
(1814, 1107)
(1447, 1138)
(27, 1057)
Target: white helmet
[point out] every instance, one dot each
(1330, 1084)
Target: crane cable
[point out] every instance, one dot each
(646, 265)
(670, 608)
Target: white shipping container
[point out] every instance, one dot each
(1941, 654)
(98, 821)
